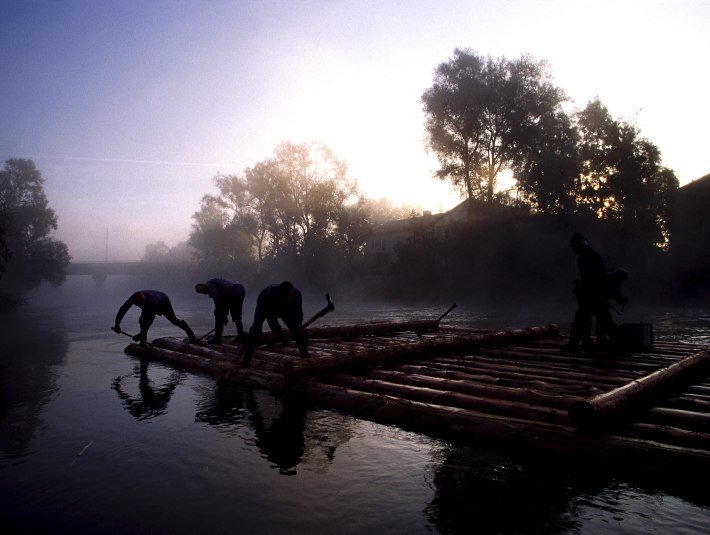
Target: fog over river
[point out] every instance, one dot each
(92, 441)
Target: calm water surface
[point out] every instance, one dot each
(92, 441)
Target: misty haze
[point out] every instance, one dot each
(354, 267)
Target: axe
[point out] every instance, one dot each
(435, 323)
(328, 308)
(121, 331)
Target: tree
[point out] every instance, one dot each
(30, 255)
(482, 116)
(622, 177)
(216, 238)
(547, 167)
(288, 205)
(156, 252)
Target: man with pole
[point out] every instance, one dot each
(228, 299)
(277, 301)
(151, 303)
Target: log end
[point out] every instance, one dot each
(583, 414)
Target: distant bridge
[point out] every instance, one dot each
(99, 271)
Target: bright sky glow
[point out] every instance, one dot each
(130, 108)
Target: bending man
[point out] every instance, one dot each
(277, 301)
(151, 303)
(228, 299)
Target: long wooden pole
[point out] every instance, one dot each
(620, 401)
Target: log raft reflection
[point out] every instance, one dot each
(517, 387)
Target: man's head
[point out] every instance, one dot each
(201, 288)
(286, 290)
(578, 242)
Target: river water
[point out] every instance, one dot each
(91, 441)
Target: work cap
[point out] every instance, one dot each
(577, 238)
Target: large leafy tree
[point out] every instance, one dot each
(547, 167)
(216, 238)
(484, 115)
(622, 178)
(289, 205)
(30, 255)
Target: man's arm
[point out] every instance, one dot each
(122, 312)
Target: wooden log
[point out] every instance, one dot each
(523, 381)
(507, 370)
(611, 360)
(681, 418)
(348, 332)
(687, 403)
(415, 349)
(502, 392)
(554, 362)
(620, 401)
(490, 429)
(699, 389)
(204, 350)
(194, 362)
(516, 409)
(668, 434)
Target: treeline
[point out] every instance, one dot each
(488, 115)
(28, 253)
(519, 260)
(298, 214)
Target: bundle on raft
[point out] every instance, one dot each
(515, 386)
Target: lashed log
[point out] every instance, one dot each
(669, 434)
(619, 402)
(517, 372)
(517, 409)
(686, 402)
(613, 361)
(681, 418)
(416, 349)
(533, 365)
(348, 332)
(486, 428)
(510, 393)
(566, 388)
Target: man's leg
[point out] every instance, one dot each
(300, 338)
(172, 318)
(236, 313)
(145, 321)
(218, 330)
(253, 337)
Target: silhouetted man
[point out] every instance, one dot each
(151, 303)
(591, 290)
(228, 299)
(277, 301)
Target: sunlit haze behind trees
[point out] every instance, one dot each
(130, 133)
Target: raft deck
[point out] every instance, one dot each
(516, 387)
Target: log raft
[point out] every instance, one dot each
(517, 387)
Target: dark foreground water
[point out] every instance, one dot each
(91, 441)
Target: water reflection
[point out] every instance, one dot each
(150, 401)
(284, 434)
(31, 352)
(501, 494)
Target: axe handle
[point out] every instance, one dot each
(121, 331)
(436, 322)
(319, 314)
(204, 335)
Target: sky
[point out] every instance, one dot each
(130, 108)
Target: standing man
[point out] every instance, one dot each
(151, 303)
(228, 299)
(277, 301)
(592, 294)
